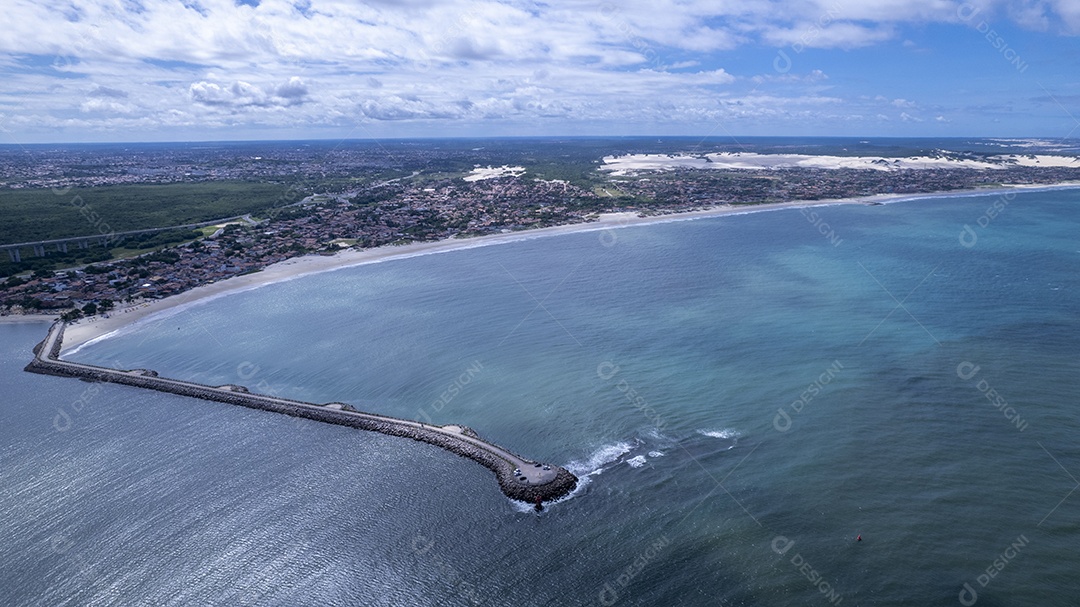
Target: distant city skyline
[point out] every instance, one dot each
(205, 70)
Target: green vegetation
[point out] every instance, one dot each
(375, 196)
(53, 259)
(28, 215)
(157, 239)
(582, 175)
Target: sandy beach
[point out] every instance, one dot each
(98, 327)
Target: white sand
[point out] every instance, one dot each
(624, 165)
(481, 173)
(1042, 160)
(95, 328)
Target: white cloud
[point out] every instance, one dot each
(812, 76)
(105, 106)
(240, 93)
(833, 35)
(120, 64)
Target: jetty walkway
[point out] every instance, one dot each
(519, 478)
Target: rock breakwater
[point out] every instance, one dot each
(519, 478)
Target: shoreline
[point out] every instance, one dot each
(86, 331)
(18, 318)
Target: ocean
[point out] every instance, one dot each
(743, 397)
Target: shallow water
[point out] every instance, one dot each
(725, 386)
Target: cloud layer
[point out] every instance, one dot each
(105, 67)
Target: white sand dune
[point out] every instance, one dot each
(481, 173)
(1042, 160)
(624, 165)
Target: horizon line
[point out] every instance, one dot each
(733, 138)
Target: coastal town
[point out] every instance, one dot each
(426, 205)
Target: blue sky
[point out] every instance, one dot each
(159, 70)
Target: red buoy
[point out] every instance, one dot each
(859, 539)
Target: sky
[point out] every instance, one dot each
(187, 70)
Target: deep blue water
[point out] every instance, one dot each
(786, 385)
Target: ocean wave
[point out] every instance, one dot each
(726, 433)
(656, 454)
(655, 434)
(526, 507)
(108, 335)
(585, 470)
(637, 461)
(602, 456)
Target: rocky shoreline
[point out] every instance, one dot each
(541, 483)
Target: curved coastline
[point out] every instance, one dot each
(86, 331)
(519, 478)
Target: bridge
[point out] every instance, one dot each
(41, 247)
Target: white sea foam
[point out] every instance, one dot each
(525, 507)
(93, 341)
(602, 456)
(637, 461)
(585, 470)
(656, 454)
(522, 507)
(655, 434)
(726, 433)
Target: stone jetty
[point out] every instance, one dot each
(519, 478)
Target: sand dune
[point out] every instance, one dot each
(623, 165)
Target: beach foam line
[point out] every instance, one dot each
(1014, 189)
(316, 264)
(108, 335)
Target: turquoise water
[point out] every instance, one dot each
(726, 387)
